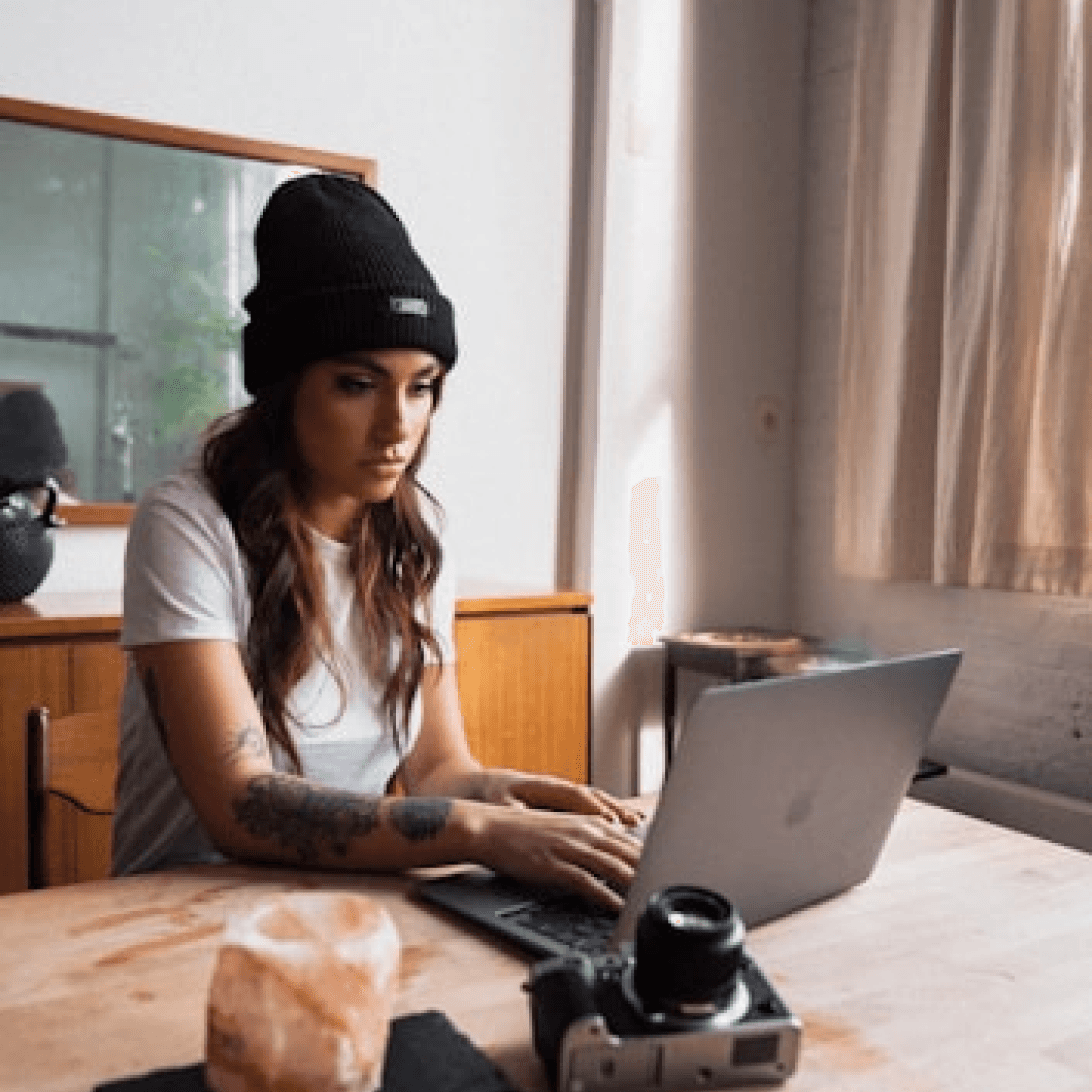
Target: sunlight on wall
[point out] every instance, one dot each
(1073, 136)
(649, 501)
(641, 356)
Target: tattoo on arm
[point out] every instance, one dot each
(310, 819)
(248, 741)
(419, 820)
(303, 817)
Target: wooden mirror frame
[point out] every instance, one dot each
(91, 513)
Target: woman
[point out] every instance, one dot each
(287, 613)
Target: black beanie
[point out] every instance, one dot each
(337, 273)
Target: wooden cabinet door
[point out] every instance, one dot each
(66, 677)
(523, 682)
(98, 675)
(30, 674)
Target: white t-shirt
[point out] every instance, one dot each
(185, 580)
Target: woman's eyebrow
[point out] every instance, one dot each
(369, 364)
(365, 363)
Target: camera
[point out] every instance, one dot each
(683, 1007)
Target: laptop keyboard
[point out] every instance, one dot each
(569, 920)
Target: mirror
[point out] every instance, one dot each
(125, 252)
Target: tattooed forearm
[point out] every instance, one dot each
(419, 820)
(313, 822)
(304, 818)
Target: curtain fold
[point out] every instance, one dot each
(963, 442)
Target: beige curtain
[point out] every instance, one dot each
(964, 446)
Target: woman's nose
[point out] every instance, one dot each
(395, 418)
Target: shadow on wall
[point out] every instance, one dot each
(631, 702)
(572, 493)
(745, 177)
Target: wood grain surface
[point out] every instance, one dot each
(962, 965)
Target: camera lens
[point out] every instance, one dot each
(688, 950)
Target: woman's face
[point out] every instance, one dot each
(359, 420)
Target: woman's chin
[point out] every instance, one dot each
(379, 490)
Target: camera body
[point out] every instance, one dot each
(685, 1008)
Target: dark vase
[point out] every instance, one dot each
(26, 538)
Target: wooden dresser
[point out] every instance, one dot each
(524, 678)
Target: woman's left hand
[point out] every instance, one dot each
(516, 789)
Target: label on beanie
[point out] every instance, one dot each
(409, 305)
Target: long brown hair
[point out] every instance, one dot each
(250, 461)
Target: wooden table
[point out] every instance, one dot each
(964, 963)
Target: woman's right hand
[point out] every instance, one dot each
(587, 854)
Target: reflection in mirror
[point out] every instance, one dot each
(123, 265)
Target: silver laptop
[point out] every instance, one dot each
(781, 794)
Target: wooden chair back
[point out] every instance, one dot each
(71, 766)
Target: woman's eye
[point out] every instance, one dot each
(354, 384)
(419, 390)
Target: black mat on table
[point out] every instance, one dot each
(426, 1051)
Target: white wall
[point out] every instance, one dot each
(1021, 707)
(468, 108)
(685, 242)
